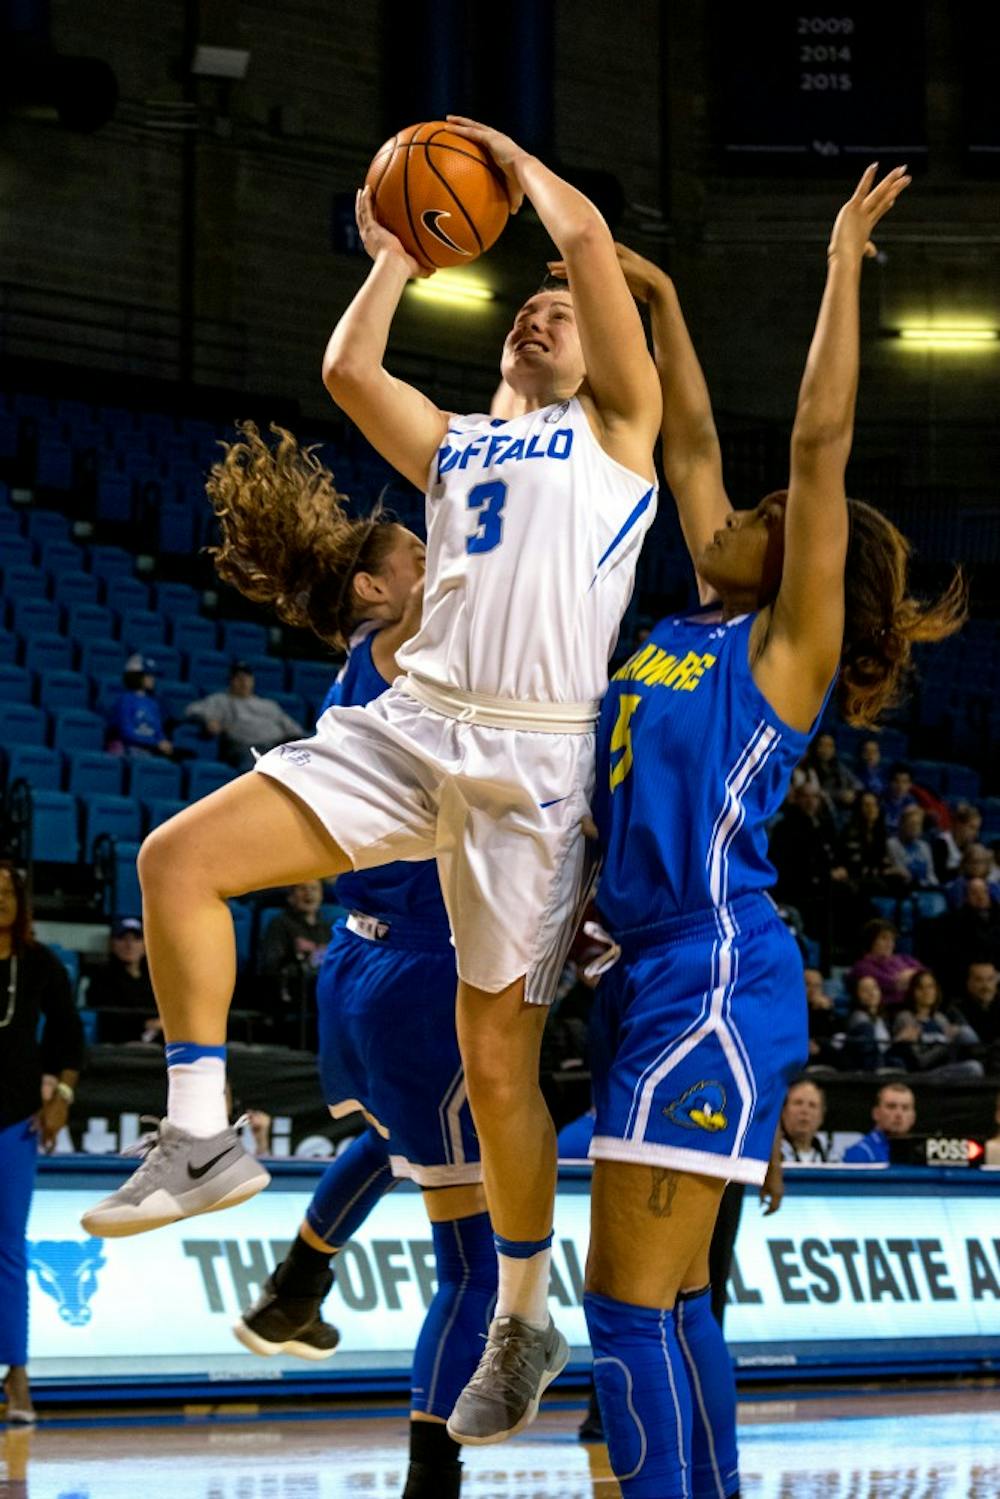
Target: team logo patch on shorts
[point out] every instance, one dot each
(703, 1106)
(296, 755)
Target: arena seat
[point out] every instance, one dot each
(109, 562)
(311, 679)
(22, 581)
(91, 621)
(160, 809)
(40, 766)
(209, 670)
(20, 723)
(191, 634)
(63, 689)
(16, 684)
(46, 525)
(15, 549)
(57, 556)
(117, 816)
(34, 616)
(55, 827)
(48, 652)
(77, 587)
(176, 600)
(10, 648)
(243, 640)
(142, 630)
(102, 658)
(77, 729)
(153, 779)
(204, 776)
(268, 671)
(93, 773)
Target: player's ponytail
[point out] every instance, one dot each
(882, 620)
(287, 539)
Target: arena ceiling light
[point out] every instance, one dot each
(453, 289)
(939, 336)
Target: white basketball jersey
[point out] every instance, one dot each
(533, 533)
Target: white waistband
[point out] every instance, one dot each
(502, 712)
(367, 926)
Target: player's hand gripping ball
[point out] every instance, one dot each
(440, 193)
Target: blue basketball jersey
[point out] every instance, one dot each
(402, 889)
(692, 763)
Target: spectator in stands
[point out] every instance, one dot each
(927, 1040)
(879, 958)
(864, 850)
(978, 1006)
(136, 722)
(824, 1022)
(241, 720)
(838, 784)
(898, 795)
(868, 1040)
(895, 1114)
(973, 931)
(801, 1118)
(871, 776)
(292, 950)
(950, 844)
(40, 1032)
(910, 853)
(993, 1143)
(121, 991)
(803, 849)
(978, 863)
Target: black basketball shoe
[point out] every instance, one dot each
(279, 1323)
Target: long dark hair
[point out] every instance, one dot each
(287, 539)
(882, 620)
(20, 932)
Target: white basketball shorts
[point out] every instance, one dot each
(500, 809)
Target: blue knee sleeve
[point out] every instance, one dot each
(714, 1460)
(18, 1155)
(451, 1340)
(645, 1399)
(349, 1188)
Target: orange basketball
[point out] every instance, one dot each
(440, 194)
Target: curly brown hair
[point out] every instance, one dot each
(21, 928)
(882, 620)
(287, 539)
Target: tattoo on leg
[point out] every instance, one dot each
(664, 1190)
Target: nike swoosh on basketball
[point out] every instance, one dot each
(430, 218)
(194, 1172)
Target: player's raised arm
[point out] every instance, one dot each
(806, 633)
(620, 374)
(403, 425)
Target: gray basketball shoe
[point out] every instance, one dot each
(181, 1175)
(516, 1369)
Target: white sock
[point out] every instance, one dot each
(196, 1096)
(524, 1287)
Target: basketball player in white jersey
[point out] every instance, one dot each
(482, 753)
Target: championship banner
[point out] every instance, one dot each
(859, 1273)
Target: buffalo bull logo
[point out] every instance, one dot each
(67, 1271)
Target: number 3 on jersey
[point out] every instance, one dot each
(489, 499)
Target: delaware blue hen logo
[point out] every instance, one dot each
(703, 1106)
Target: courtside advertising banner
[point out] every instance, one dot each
(851, 1267)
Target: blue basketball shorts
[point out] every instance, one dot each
(387, 1046)
(695, 1036)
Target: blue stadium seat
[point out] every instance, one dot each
(174, 528)
(35, 763)
(142, 630)
(93, 773)
(190, 738)
(63, 689)
(126, 593)
(60, 557)
(174, 695)
(160, 809)
(48, 653)
(15, 550)
(70, 960)
(176, 600)
(929, 904)
(20, 723)
(15, 684)
(242, 638)
(34, 616)
(124, 898)
(209, 670)
(46, 525)
(78, 587)
(54, 466)
(311, 679)
(111, 562)
(77, 729)
(932, 774)
(23, 582)
(105, 692)
(85, 621)
(166, 660)
(114, 496)
(55, 827)
(269, 674)
(204, 776)
(243, 925)
(152, 779)
(102, 657)
(293, 705)
(10, 646)
(964, 784)
(117, 816)
(191, 634)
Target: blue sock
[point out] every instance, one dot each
(645, 1399)
(451, 1340)
(714, 1460)
(349, 1188)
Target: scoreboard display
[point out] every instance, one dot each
(808, 90)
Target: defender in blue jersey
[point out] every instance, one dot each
(702, 1023)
